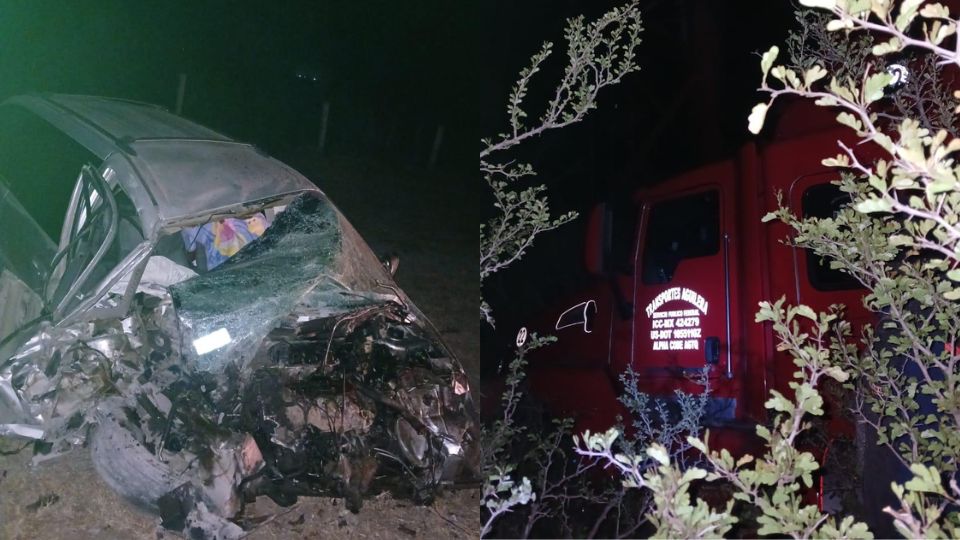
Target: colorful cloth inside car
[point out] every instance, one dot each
(221, 240)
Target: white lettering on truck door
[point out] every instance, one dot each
(678, 329)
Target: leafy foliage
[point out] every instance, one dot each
(772, 483)
(506, 429)
(673, 514)
(599, 54)
(654, 421)
(923, 505)
(661, 436)
(501, 493)
(566, 494)
(899, 238)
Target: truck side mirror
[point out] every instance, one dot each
(593, 249)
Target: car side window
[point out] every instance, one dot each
(86, 259)
(678, 229)
(824, 201)
(25, 253)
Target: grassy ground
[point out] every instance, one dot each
(427, 219)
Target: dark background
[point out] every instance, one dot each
(687, 106)
(392, 71)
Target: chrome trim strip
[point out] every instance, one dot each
(726, 292)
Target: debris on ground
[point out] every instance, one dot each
(43, 501)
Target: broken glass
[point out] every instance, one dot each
(229, 310)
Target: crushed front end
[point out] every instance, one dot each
(295, 368)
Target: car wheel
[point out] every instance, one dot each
(126, 465)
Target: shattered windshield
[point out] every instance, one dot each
(309, 258)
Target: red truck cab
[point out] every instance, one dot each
(696, 262)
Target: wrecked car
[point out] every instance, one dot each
(292, 367)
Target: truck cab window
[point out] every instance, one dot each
(823, 201)
(678, 229)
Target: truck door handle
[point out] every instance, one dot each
(711, 350)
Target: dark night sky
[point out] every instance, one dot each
(409, 64)
(379, 63)
(687, 106)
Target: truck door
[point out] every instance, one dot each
(682, 292)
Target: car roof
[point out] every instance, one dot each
(104, 125)
(181, 168)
